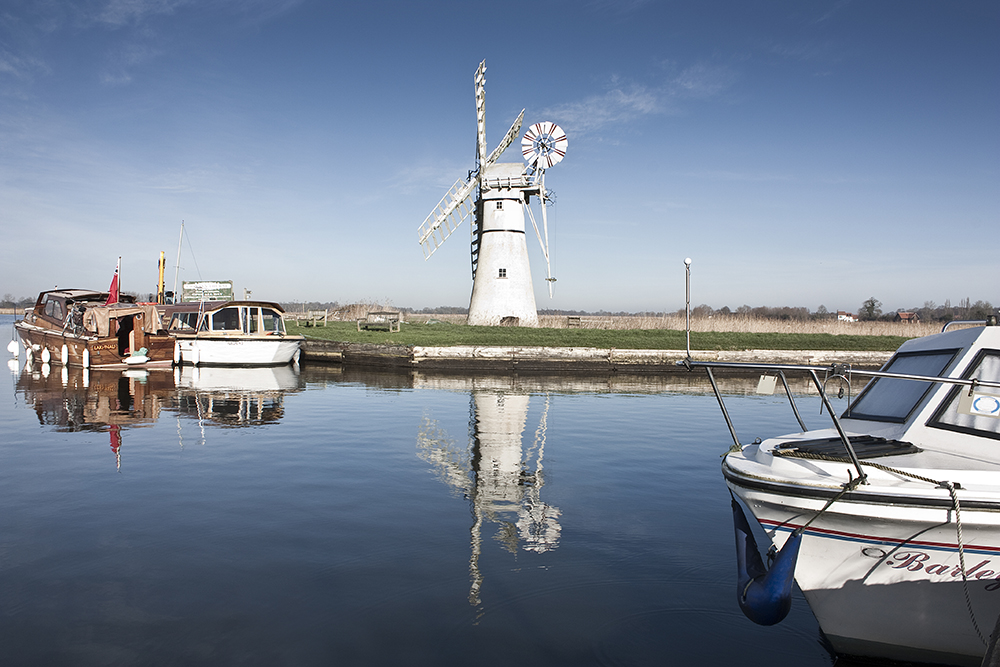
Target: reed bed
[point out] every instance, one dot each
(676, 322)
(745, 324)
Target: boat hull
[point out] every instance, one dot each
(883, 575)
(89, 351)
(233, 351)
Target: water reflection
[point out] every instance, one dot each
(234, 397)
(113, 401)
(501, 480)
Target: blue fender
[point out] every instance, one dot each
(765, 596)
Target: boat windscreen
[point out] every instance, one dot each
(227, 319)
(893, 399)
(975, 411)
(184, 322)
(272, 321)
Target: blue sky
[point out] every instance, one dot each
(800, 153)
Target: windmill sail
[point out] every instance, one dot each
(502, 292)
(453, 208)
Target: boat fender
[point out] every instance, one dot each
(64, 354)
(46, 355)
(12, 348)
(764, 595)
(86, 358)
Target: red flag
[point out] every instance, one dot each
(113, 290)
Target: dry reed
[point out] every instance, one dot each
(720, 323)
(716, 323)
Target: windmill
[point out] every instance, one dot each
(497, 195)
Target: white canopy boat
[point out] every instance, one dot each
(893, 513)
(230, 333)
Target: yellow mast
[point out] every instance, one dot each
(159, 285)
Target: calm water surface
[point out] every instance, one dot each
(321, 517)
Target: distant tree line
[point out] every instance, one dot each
(9, 301)
(869, 310)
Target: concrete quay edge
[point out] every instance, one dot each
(474, 357)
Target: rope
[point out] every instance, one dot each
(952, 488)
(961, 558)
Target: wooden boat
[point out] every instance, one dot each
(230, 333)
(76, 327)
(894, 512)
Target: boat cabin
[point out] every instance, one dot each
(243, 318)
(84, 313)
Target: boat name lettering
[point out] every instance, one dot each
(104, 346)
(914, 561)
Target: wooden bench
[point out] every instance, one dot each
(382, 319)
(310, 318)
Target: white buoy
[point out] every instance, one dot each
(46, 355)
(86, 357)
(13, 348)
(64, 354)
(177, 353)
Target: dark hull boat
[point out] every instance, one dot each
(75, 327)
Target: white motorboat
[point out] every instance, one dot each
(894, 511)
(230, 333)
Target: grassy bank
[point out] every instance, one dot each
(443, 334)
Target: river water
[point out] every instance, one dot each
(322, 516)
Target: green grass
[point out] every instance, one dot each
(446, 335)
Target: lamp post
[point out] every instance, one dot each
(687, 304)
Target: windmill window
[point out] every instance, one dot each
(499, 205)
(503, 273)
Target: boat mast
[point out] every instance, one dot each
(159, 284)
(177, 264)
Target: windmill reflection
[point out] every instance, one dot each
(502, 481)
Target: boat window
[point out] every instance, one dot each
(54, 309)
(272, 321)
(979, 413)
(251, 317)
(892, 399)
(183, 322)
(227, 319)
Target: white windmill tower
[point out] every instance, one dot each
(501, 276)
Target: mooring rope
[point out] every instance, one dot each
(961, 558)
(951, 487)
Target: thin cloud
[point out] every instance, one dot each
(128, 56)
(418, 178)
(755, 177)
(21, 67)
(118, 13)
(620, 104)
(625, 102)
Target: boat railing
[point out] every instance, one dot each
(836, 371)
(989, 322)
